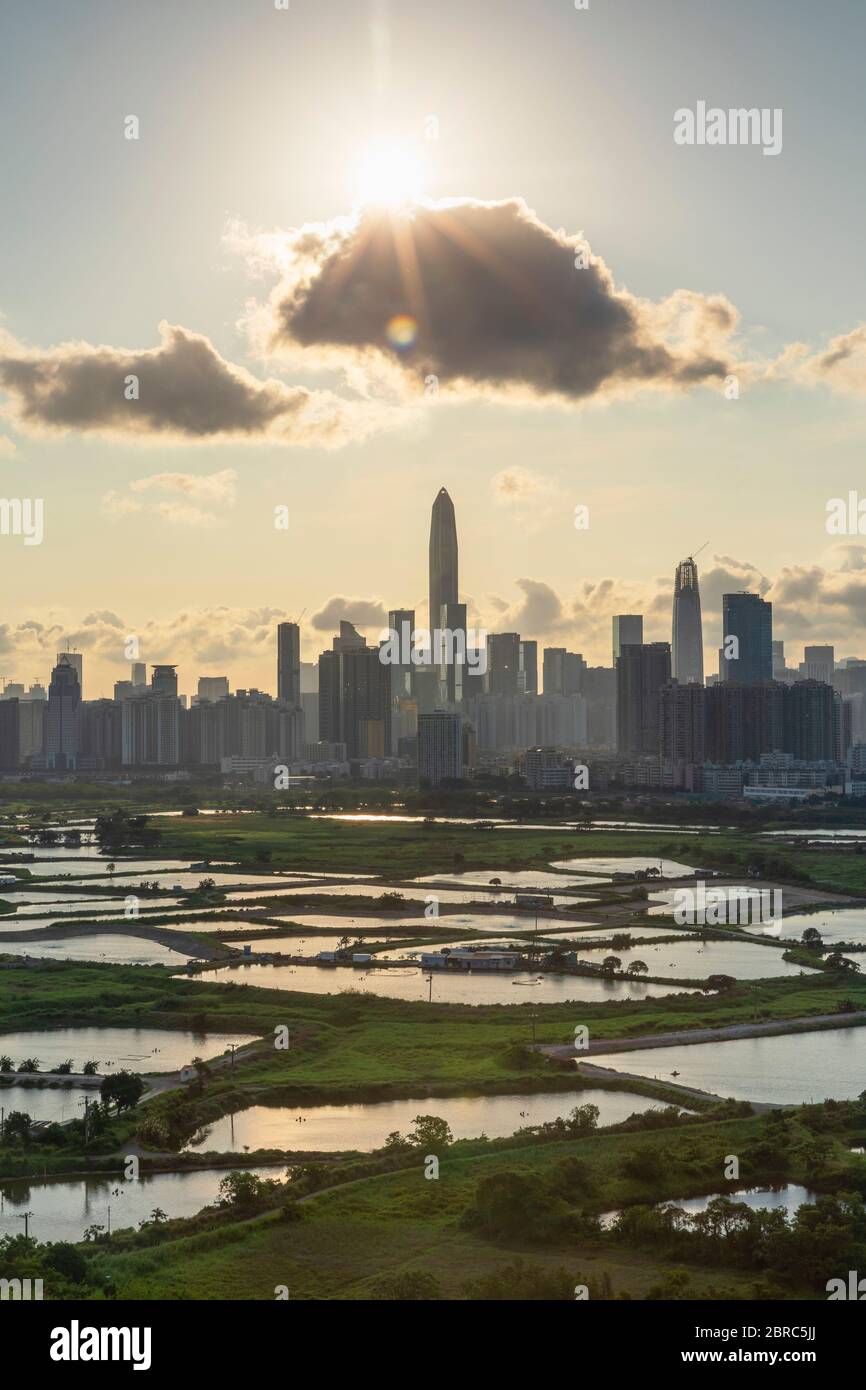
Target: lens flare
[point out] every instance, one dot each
(401, 331)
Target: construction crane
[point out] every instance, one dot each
(696, 553)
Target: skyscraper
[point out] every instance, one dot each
(443, 556)
(164, 681)
(687, 649)
(10, 732)
(451, 658)
(503, 663)
(749, 619)
(213, 688)
(76, 661)
(641, 673)
(527, 676)
(402, 622)
(289, 664)
(354, 695)
(553, 670)
(62, 716)
(818, 664)
(627, 631)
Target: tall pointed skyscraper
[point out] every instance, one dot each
(687, 648)
(443, 556)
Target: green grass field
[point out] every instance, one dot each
(350, 1236)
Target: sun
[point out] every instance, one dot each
(389, 175)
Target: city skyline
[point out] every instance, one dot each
(526, 439)
(699, 656)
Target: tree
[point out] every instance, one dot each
(123, 1090)
(29, 1066)
(245, 1190)
(17, 1126)
(511, 1205)
(638, 967)
(64, 1068)
(611, 964)
(812, 939)
(720, 982)
(66, 1260)
(836, 961)
(202, 1072)
(644, 1165)
(89, 1068)
(395, 1143)
(431, 1133)
(5, 1063)
(156, 1218)
(583, 1118)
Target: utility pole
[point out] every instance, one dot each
(430, 992)
(26, 1219)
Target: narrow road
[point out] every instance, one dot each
(811, 1023)
(684, 1093)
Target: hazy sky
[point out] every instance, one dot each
(607, 391)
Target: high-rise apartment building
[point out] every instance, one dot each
(641, 673)
(440, 747)
(354, 689)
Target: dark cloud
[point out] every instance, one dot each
(499, 305)
(186, 392)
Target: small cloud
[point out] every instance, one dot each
(363, 612)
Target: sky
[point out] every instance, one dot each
(305, 181)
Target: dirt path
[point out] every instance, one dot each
(185, 943)
(811, 1023)
(684, 1093)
